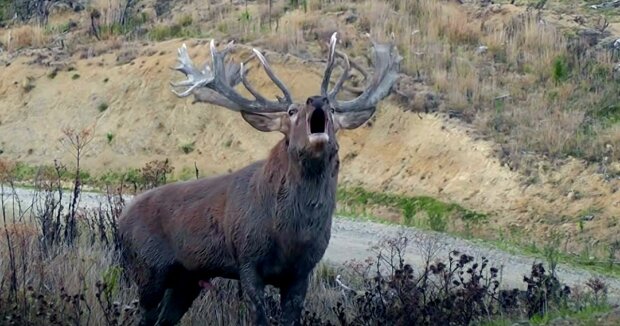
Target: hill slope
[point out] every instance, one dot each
(120, 85)
(401, 152)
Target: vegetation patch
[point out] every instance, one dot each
(354, 202)
(182, 28)
(438, 214)
(451, 288)
(551, 250)
(102, 106)
(188, 147)
(52, 74)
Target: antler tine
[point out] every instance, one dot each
(263, 61)
(195, 77)
(386, 68)
(354, 65)
(249, 87)
(331, 58)
(344, 77)
(216, 84)
(234, 72)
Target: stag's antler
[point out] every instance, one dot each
(386, 67)
(216, 84)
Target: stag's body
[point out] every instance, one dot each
(271, 219)
(268, 223)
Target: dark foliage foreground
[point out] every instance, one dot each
(59, 266)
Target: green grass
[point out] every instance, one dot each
(26, 173)
(533, 250)
(186, 21)
(587, 316)
(187, 173)
(59, 28)
(438, 213)
(5, 10)
(131, 25)
(166, 32)
(23, 171)
(354, 203)
(183, 27)
(560, 70)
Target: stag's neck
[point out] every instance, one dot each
(304, 191)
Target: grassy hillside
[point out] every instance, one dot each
(535, 145)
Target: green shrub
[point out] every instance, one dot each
(102, 106)
(52, 74)
(165, 32)
(188, 148)
(186, 20)
(560, 72)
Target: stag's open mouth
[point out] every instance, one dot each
(317, 121)
(317, 126)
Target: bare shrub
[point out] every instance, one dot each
(77, 141)
(84, 284)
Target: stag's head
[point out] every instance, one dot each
(309, 127)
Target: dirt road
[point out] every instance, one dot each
(352, 240)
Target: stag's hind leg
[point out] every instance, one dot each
(150, 294)
(151, 283)
(178, 299)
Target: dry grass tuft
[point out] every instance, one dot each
(26, 36)
(111, 10)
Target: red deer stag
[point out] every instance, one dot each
(268, 223)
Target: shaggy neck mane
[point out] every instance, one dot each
(302, 187)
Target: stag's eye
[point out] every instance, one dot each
(292, 112)
(332, 110)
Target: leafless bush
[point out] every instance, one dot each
(84, 285)
(459, 291)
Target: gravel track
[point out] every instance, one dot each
(352, 240)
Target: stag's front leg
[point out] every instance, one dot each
(254, 287)
(292, 300)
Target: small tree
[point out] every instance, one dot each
(77, 141)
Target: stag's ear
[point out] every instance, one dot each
(352, 119)
(265, 121)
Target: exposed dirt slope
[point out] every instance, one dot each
(401, 152)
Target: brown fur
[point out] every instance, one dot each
(268, 223)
